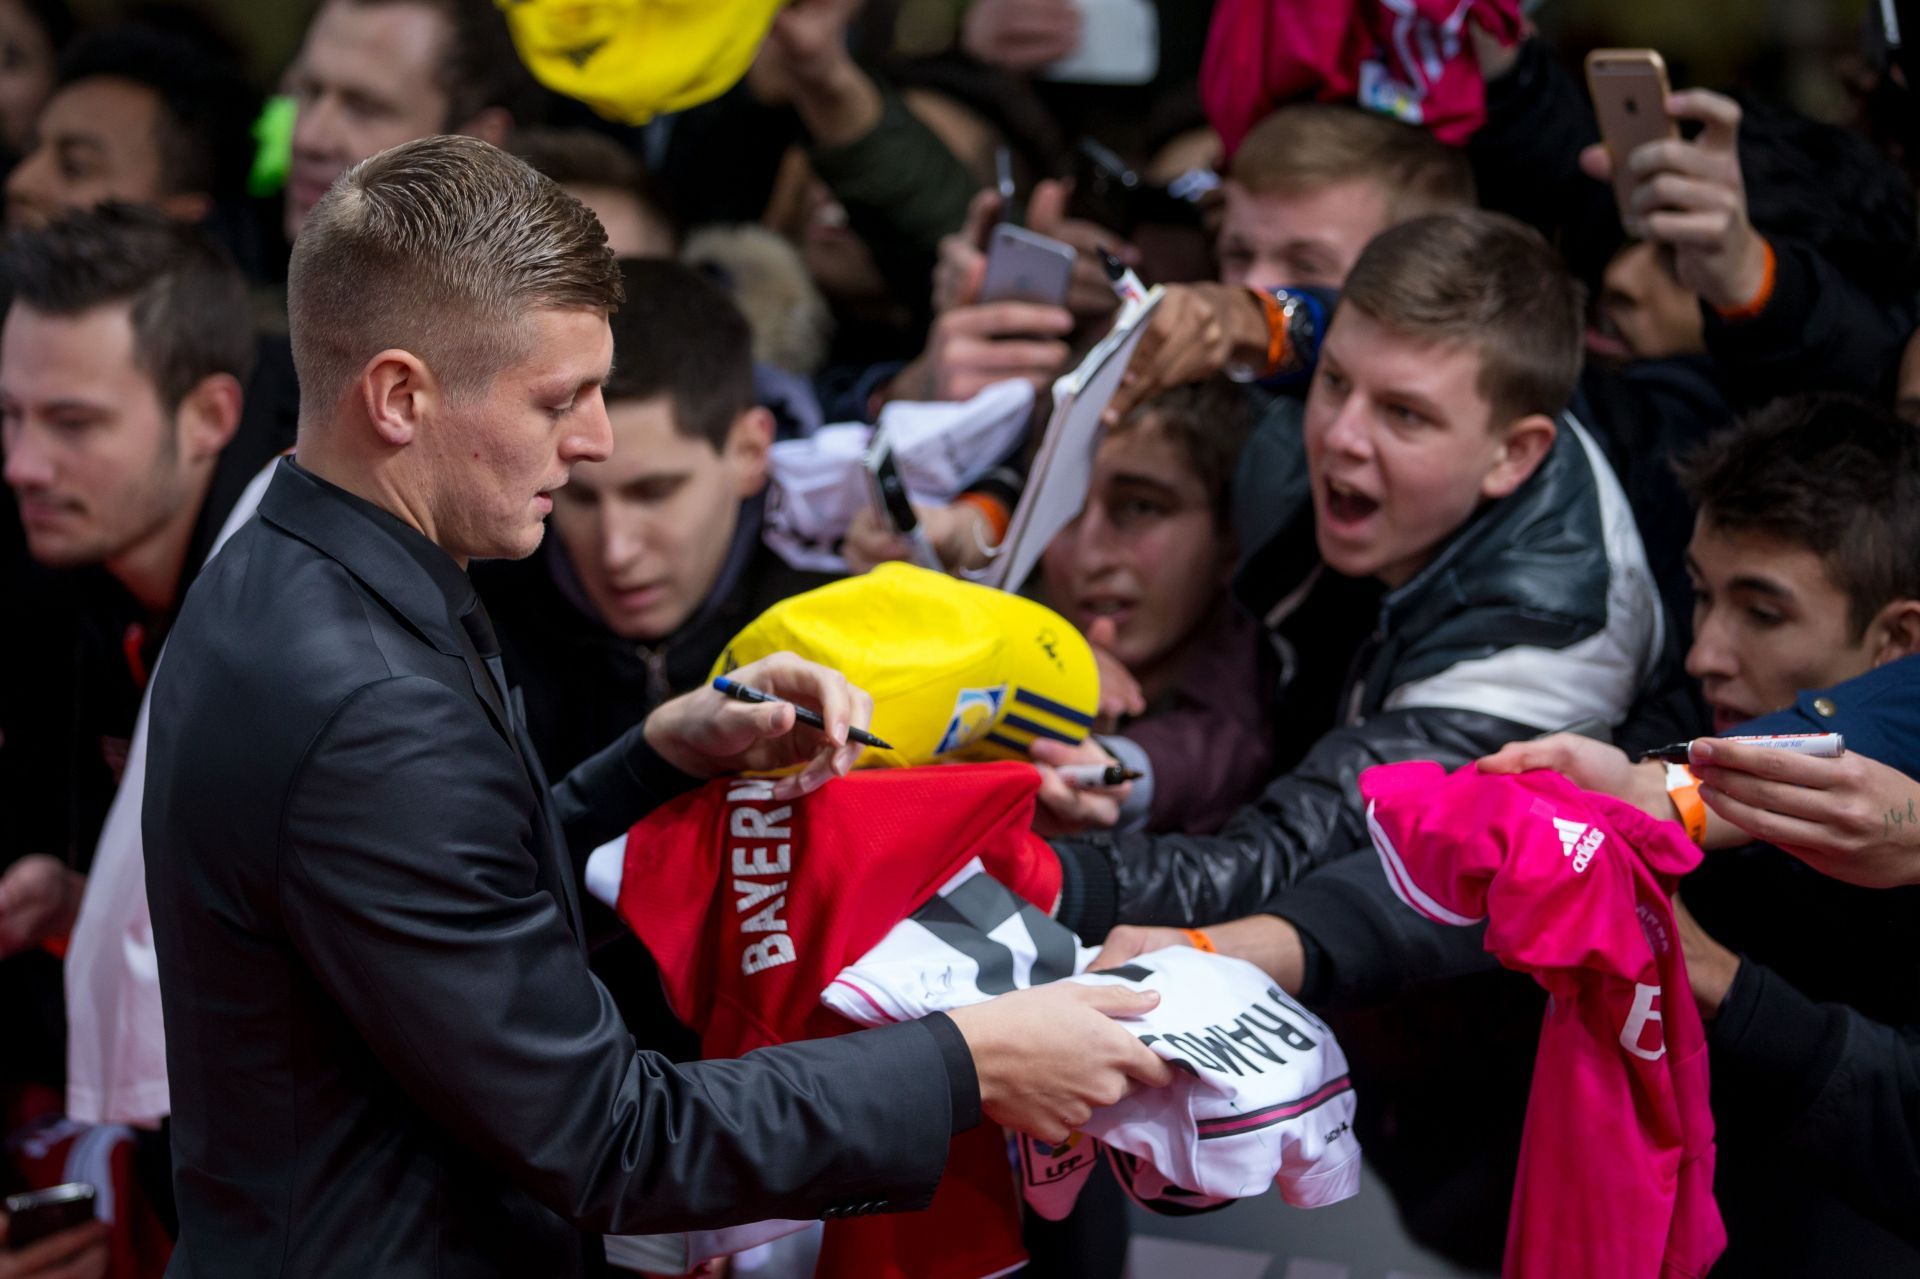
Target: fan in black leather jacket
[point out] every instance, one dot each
(1539, 614)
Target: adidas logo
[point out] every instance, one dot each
(1578, 841)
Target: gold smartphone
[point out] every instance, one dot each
(1629, 89)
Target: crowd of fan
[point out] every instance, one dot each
(1646, 482)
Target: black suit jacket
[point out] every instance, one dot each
(387, 1054)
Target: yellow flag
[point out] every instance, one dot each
(630, 60)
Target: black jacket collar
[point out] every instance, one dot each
(416, 579)
(393, 559)
(432, 595)
(1531, 568)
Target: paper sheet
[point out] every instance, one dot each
(1063, 469)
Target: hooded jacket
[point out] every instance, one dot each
(583, 683)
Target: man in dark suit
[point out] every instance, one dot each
(387, 1054)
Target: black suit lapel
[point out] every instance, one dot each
(508, 712)
(555, 858)
(486, 686)
(425, 587)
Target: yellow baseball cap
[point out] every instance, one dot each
(957, 671)
(630, 60)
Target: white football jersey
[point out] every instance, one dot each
(1260, 1091)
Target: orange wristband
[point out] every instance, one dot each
(1753, 306)
(1683, 788)
(1276, 331)
(995, 510)
(1200, 940)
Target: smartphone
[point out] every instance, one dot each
(894, 503)
(40, 1213)
(1629, 88)
(1119, 44)
(1025, 267)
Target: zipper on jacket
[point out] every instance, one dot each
(654, 658)
(1357, 672)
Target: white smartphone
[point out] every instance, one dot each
(1119, 44)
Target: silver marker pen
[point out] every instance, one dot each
(1819, 745)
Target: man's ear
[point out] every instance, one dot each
(1895, 633)
(748, 441)
(208, 416)
(489, 124)
(1520, 454)
(397, 392)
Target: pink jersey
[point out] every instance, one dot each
(1616, 1163)
(1411, 60)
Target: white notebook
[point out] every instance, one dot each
(1062, 470)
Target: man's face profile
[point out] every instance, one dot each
(1769, 619)
(92, 455)
(364, 81)
(494, 459)
(1643, 311)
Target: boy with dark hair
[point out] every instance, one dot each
(122, 360)
(141, 116)
(1454, 567)
(657, 557)
(121, 366)
(1143, 570)
(1806, 566)
(1809, 531)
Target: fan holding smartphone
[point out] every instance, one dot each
(978, 339)
(1682, 194)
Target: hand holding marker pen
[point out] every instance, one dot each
(1818, 745)
(1095, 776)
(1078, 776)
(741, 693)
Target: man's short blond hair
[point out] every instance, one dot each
(1309, 145)
(439, 247)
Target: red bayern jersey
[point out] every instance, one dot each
(751, 905)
